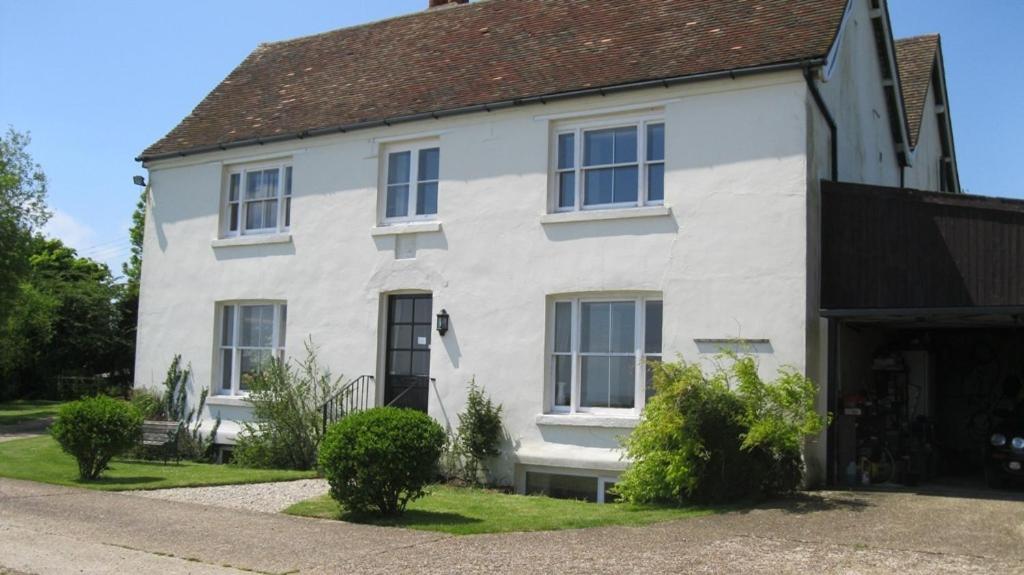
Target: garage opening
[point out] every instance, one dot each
(920, 402)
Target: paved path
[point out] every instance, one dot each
(47, 529)
(24, 429)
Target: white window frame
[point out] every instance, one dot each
(414, 149)
(579, 129)
(284, 196)
(640, 369)
(277, 348)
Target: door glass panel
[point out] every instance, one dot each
(401, 362)
(421, 337)
(402, 310)
(401, 337)
(423, 308)
(421, 363)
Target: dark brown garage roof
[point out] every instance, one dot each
(492, 52)
(915, 58)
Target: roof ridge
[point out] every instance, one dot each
(928, 35)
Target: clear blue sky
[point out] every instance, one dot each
(96, 82)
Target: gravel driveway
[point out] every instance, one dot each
(262, 497)
(49, 529)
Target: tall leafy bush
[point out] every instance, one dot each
(193, 443)
(95, 430)
(720, 436)
(479, 432)
(285, 431)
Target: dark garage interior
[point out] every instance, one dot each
(924, 296)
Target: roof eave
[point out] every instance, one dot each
(492, 106)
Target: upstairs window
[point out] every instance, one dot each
(413, 176)
(258, 200)
(614, 166)
(251, 334)
(600, 352)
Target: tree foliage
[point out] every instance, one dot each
(479, 433)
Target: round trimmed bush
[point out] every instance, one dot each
(95, 430)
(379, 460)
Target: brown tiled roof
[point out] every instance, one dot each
(489, 52)
(915, 58)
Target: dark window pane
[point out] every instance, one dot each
(421, 363)
(567, 189)
(652, 328)
(625, 145)
(225, 369)
(623, 327)
(227, 329)
(563, 380)
(429, 167)
(288, 181)
(622, 381)
(656, 182)
(402, 310)
(401, 363)
(282, 328)
(566, 151)
(562, 486)
(398, 201)
(563, 327)
(287, 212)
(598, 186)
(655, 142)
(598, 147)
(423, 309)
(594, 381)
(609, 495)
(426, 199)
(626, 184)
(594, 327)
(234, 218)
(233, 190)
(398, 167)
(270, 214)
(253, 216)
(401, 337)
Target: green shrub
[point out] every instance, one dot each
(720, 437)
(286, 427)
(479, 432)
(95, 430)
(148, 402)
(379, 460)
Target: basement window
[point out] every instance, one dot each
(579, 487)
(609, 165)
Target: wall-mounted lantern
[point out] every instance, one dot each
(442, 322)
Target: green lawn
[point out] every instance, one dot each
(12, 412)
(41, 459)
(465, 511)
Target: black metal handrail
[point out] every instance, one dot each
(357, 395)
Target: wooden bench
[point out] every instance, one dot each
(162, 436)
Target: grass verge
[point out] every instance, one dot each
(467, 511)
(22, 410)
(41, 459)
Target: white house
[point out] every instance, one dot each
(580, 186)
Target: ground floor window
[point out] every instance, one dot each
(250, 335)
(600, 352)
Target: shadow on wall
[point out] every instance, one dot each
(738, 346)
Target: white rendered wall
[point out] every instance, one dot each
(924, 173)
(730, 260)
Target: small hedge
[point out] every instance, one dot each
(379, 460)
(95, 430)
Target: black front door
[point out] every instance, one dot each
(408, 351)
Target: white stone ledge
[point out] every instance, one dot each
(603, 215)
(586, 420)
(253, 240)
(409, 228)
(227, 401)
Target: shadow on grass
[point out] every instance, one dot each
(411, 518)
(119, 481)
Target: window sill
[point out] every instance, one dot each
(253, 240)
(588, 420)
(609, 214)
(405, 228)
(228, 401)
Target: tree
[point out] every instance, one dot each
(22, 211)
(128, 299)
